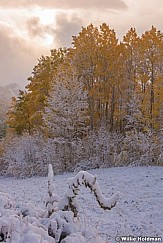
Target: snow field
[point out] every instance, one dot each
(139, 211)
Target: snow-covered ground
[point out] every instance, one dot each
(139, 211)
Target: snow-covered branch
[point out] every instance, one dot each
(69, 202)
(52, 200)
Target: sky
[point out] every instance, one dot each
(31, 28)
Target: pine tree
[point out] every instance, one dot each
(40, 84)
(66, 116)
(134, 117)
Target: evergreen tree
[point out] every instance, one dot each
(66, 116)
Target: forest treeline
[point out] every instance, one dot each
(98, 103)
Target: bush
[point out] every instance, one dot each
(58, 222)
(23, 156)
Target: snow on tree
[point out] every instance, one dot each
(65, 117)
(23, 156)
(101, 148)
(138, 144)
(134, 117)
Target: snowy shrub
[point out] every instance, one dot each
(56, 152)
(23, 156)
(101, 149)
(138, 148)
(53, 199)
(58, 222)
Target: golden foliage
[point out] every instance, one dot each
(111, 72)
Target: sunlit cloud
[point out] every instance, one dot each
(29, 29)
(64, 4)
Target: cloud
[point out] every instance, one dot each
(64, 4)
(34, 27)
(27, 32)
(85, 4)
(17, 57)
(141, 15)
(66, 27)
